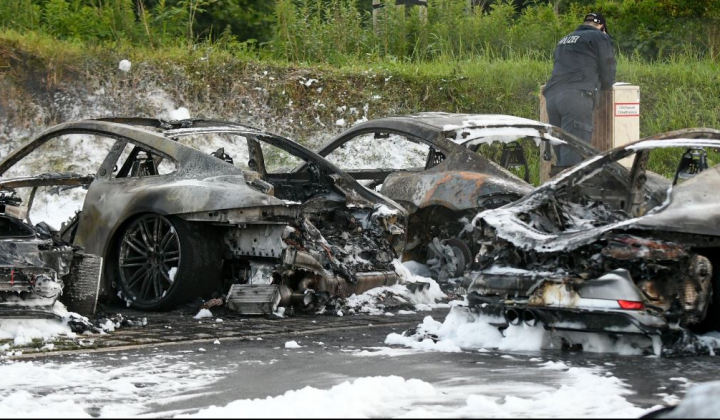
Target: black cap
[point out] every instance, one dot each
(597, 18)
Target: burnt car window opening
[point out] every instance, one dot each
(278, 160)
(520, 156)
(54, 165)
(594, 201)
(234, 146)
(252, 153)
(682, 163)
(380, 150)
(137, 161)
(63, 154)
(602, 188)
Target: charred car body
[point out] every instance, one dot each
(602, 248)
(36, 265)
(437, 167)
(173, 223)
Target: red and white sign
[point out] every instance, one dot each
(630, 109)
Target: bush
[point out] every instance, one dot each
(449, 29)
(335, 31)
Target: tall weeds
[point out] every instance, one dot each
(333, 30)
(337, 31)
(106, 21)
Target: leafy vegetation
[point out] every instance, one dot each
(336, 31)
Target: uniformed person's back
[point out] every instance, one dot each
(584, 64)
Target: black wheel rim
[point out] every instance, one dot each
(149, 259)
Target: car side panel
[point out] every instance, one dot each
(109, 203)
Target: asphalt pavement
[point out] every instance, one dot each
(255, 362)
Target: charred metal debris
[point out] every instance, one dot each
(254, 239)
(606, 248)
(458, 179)
(37, 267)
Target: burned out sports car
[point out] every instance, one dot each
(174, 223)
(593, 250)
(444, 168)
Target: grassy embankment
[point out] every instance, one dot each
(231, 83)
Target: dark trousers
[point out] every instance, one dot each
(571, 110)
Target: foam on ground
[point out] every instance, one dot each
(583, 392)
(84, 389)
(462, 329)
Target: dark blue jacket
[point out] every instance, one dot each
(584, 60)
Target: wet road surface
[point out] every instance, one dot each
(330, 353)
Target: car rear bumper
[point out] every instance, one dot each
(612, 321)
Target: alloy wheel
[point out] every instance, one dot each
(149, 259)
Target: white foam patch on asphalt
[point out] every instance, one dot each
(292, 345)
(40, 333)
(582, 392)
(364, 397)
(204, 313)
(382, 351)
(84, 389)
(462, 329)
(550, 365)
(22, 332)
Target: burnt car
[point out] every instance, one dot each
(174, 223)
(444, 168)
(37, 267)
(599, 249)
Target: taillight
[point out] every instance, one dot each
(628, 304)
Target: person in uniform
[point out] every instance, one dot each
(584, 64)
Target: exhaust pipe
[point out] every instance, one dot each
(529, 318)
(512, 317)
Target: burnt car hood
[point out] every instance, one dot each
(508, 226)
